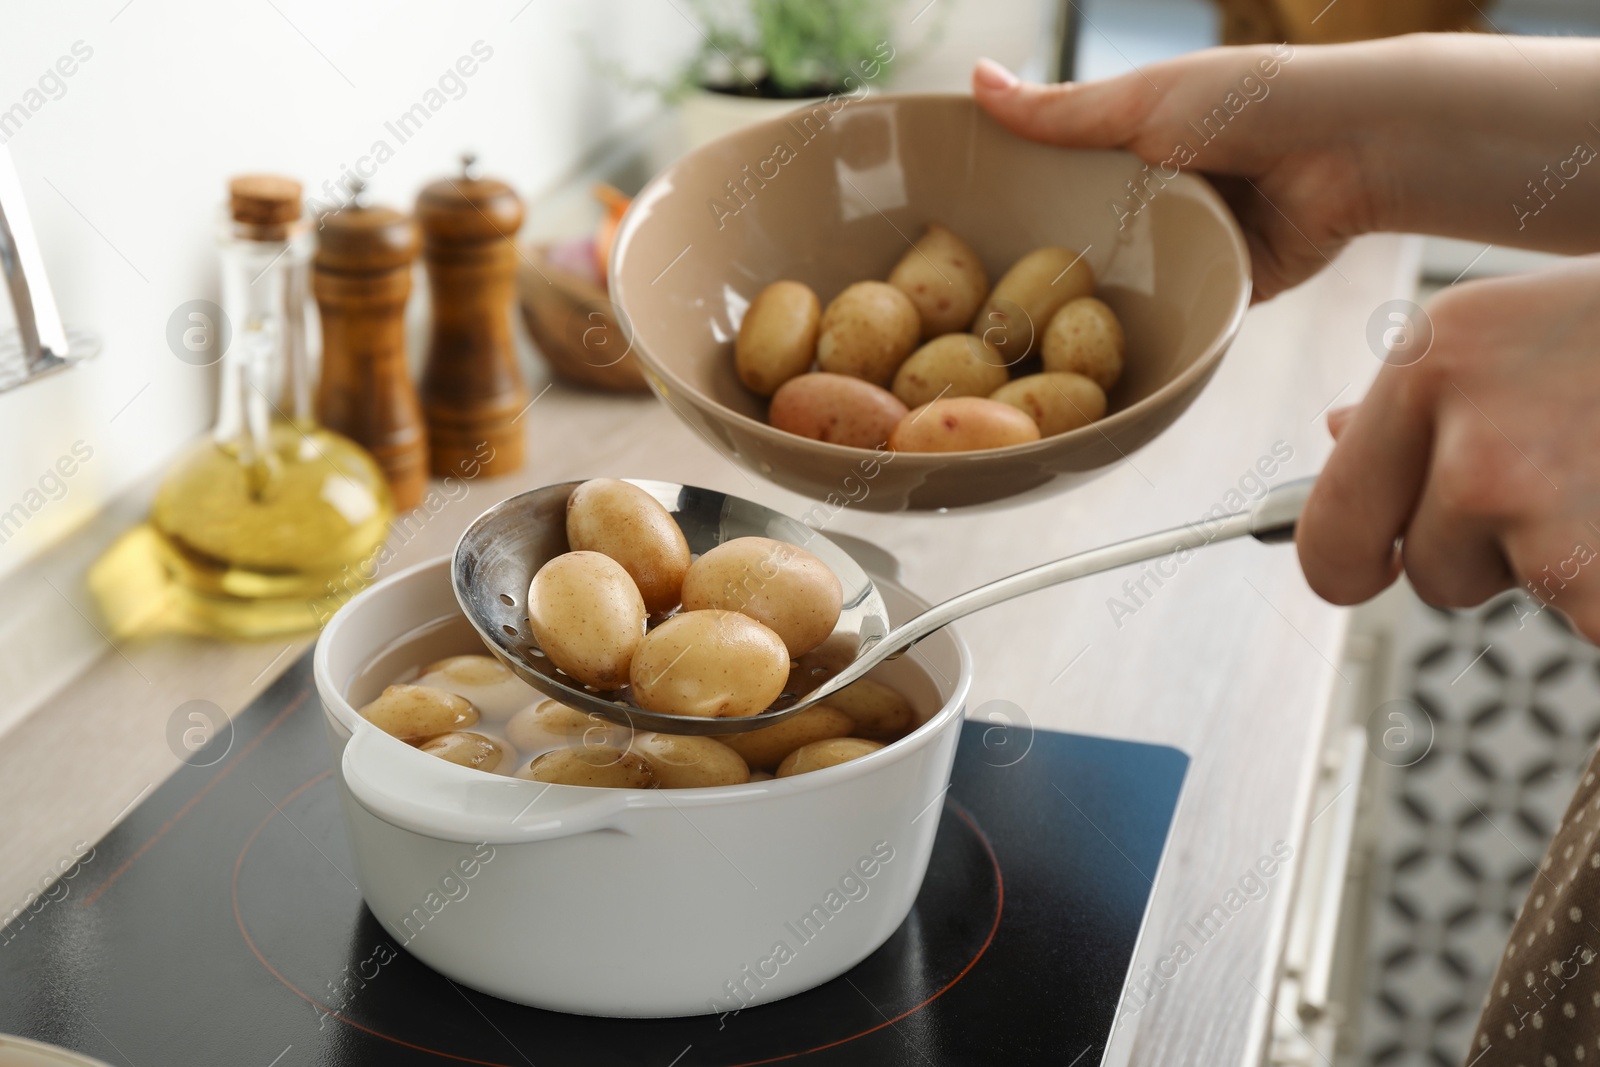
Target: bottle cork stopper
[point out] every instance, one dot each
(264, 199)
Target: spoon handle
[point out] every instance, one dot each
(1272, 520)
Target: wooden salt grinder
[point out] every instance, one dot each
(362, 279)
(472, 390)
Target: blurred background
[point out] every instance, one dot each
(124, 161)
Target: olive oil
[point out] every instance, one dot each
(286, 526)
(265, 526)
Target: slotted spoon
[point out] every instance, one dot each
(500, 552)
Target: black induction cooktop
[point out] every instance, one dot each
(218, 925)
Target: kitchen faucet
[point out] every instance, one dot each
(40, 343)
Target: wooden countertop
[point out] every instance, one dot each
(1231, 659)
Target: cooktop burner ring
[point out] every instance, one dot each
(277, 811)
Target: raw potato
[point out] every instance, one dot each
(944, 279)
(483, 680)
(551, 723)
(1056, 401)
(415, 713)
(626, 523)
(867, 332)
(710, 664)
(1022, 304)
(836, 408)
(1085, 338)
(829, 753)
(587, 616)
(961, 424)
(878, 712)
(603, 766)
(779, 585)
(957, 364)
(778, 336)
(765, 748)
(691, 762)
(469, 750)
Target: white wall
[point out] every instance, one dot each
(124, 163)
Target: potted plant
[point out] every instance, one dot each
(759, 58)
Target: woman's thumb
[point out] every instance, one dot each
(1101, 114)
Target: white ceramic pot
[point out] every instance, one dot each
(707, 116)
(629, 902)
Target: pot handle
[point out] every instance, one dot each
(383, 776)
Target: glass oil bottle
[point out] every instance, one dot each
(270, 523)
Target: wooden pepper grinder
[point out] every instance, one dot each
(362, 279)
(472, 390)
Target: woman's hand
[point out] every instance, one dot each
(1448, 134)
(1482, 459)
(1477, 467)
(1297, 208)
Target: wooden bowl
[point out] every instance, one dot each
(834, 194)
(576, 327)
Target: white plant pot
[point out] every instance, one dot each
(707, 116)
(645, 903)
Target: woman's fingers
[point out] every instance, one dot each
(1478, 454)
(1368, 490)
(1099, 114)
(1453, 560)
(989, 76)
(1296, 213)
(1338, 419)
(1559, 563)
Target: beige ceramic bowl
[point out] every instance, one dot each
(20, 1052)
(836, 194)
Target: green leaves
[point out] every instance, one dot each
(786, 47)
